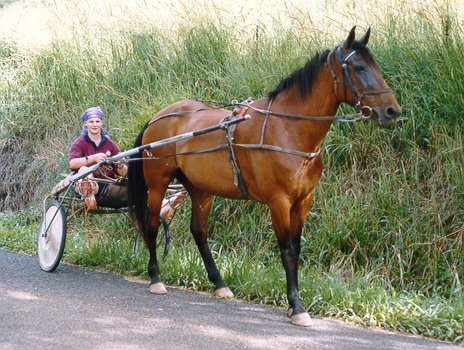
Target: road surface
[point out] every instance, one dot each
(75, 308)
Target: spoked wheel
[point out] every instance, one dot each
(52, 236)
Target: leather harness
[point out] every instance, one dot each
(240, 109)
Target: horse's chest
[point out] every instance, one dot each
(308, 173)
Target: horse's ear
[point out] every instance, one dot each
(365, 38)
(349, 41)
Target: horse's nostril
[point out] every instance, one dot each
(391, 112)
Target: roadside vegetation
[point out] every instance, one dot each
(383, 244)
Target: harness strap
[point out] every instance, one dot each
(230, 131)
(371, 92)
(263, 129)
(348, 118)
(310, 155)
(346, 74)
(176, 114)
(335, 78)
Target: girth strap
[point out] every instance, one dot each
(238, 178)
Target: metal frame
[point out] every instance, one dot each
(68, 206)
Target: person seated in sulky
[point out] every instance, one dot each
(91, 147)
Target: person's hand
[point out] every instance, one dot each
(121, 168)
(98, 157)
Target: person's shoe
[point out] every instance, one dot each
(170, 205)
(90, 202)
(88, 189)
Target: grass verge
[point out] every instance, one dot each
(362, 298)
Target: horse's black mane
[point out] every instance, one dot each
(303, 79)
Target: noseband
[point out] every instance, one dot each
(358, 94)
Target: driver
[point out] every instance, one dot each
(91, 147)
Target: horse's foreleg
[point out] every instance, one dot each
(288, 222)
(201, 206)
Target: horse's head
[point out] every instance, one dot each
(359, 82)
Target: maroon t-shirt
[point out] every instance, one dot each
(84, 146)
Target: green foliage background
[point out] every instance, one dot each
(384, 242)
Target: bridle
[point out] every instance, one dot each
(358, 94)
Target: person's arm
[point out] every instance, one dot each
(77, 163)
(77, 158)
(77, 155)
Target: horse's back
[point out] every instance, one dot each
(181, 117)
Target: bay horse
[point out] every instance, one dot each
(274, 156)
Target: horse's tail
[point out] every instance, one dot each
(137, 189)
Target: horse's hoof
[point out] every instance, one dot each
(303, 320)
(224, 292)
(158, 288)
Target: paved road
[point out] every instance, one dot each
(75, 308)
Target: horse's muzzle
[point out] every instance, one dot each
(386, 116)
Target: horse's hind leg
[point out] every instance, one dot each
(201, 206)
(154, 205)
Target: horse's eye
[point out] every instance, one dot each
(359, 68)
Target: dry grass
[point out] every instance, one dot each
(33, 24)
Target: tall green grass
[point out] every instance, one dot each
(384, 239)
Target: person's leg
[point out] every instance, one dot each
(87, 188)
(113, 196)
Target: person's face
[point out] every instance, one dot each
(94, 125)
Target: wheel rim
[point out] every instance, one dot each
(51, 243)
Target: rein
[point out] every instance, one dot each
(365, 113)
